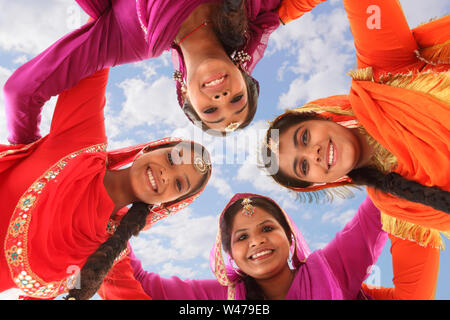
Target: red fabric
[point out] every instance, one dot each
(68, 222)
(120, 284)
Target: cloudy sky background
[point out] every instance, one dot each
(305, 60)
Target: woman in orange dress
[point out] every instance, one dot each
(391, 133)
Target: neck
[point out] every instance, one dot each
(277, 287)
(203, 42)
(118, 186)
(367, 151)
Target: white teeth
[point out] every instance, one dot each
(214, 82)
(259, 254)
(331, 155)
(151, 178)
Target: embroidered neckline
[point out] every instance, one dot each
(16, 241)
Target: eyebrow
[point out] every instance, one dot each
(265, 221)
(222, 119)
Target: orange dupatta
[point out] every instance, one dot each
(415, 127)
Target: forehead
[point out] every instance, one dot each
(242, 221)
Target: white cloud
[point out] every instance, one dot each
(177, 238)
(55, 18)
(340, 218)
(11, 294)
(150, 103)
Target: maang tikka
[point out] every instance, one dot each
(248, 209)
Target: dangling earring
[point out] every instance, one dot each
(178, 76)
(240, 58)
(239, 273)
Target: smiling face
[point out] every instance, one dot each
(218, 93)
(318, 151)
(259, 244)
(164, 175)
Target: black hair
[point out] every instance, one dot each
(391, 182)
(252, 289)
(230, 26)
(100, 262)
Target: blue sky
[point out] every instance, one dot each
(305, 59)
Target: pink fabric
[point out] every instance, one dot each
(115, 36)
(334, 272)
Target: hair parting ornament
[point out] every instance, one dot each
(248, 209)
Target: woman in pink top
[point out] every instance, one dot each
(205, 35)
(262, 239)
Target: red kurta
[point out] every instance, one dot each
(55, 209)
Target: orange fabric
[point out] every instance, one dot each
(414, 126)
(415, 270)
(391, 46)
(433, 32)
(293, 9)
(410, 124)
(120, 284)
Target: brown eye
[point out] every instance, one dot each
(304, 167)
(210, 110)
(237, 98)
(305, 137)
(178, 183)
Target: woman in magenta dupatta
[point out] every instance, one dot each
(121, 31)
(333, 272)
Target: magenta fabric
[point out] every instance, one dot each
(334, 272)
(122, 31)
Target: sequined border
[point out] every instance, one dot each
(16, 242)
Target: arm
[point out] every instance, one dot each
(293, 9)
(174, 288)
(95, 46)
(78, 115)
(120, 284)
(382, 37)
(416, 270)
(356, 248)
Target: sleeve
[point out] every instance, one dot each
(96, 45)
(174, 288)
(120, 283)
(79, 113)
(415, 269)
(290, 10)
(382, 37)
(356, 248)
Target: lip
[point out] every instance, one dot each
(262, 257)
(207, 82)
(154, 178)
(334, 154)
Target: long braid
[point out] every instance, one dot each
(100, 262)
(401, 187)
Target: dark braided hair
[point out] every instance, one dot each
(252, 289)
(396, 185)
(230, 26)
(100, 262)
(392, 182)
